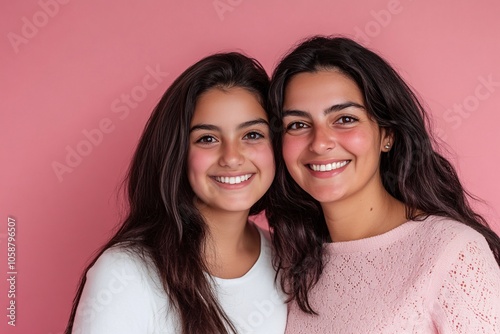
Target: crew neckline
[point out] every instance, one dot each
(252, 268)
(375, 242)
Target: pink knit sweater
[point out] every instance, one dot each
(435, 276)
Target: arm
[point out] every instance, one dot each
(468, 300)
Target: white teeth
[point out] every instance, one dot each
(233, 179)
(328, 167)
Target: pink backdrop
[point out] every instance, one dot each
(79, 79)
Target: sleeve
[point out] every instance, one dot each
(116, 297)
(468, 299)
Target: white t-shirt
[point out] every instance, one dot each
(123, 296)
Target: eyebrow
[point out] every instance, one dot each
(334, 108)
(211, 127)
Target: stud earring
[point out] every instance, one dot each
(387, 146)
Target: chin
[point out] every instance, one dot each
(236, 207)
(326, 196)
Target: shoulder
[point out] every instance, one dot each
(465, 283)
(119, 257)
(120, 266)
(442, 231)
(120, 288)
(444, 244)
(458, 250)
(128, 264)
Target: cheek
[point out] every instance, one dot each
(359, 142)
(263, 156)
(198, 163)
(293, 146)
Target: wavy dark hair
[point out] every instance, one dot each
(412, 171)
(163, 226)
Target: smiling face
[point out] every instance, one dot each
(331, 146)
(230, 160)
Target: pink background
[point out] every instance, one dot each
(68, 67)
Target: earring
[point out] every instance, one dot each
(387, 146)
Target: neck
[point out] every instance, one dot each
(369, 213)
(232, 245)
(227, 230)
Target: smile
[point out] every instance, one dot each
(232, 179)
(328, 167)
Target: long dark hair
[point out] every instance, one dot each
(412, 171)
(163, 226)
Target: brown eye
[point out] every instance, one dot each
(296, 126)
(253, 136)
(346, 120)
(206, 140)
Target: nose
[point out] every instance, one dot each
(322, 141)
(231, 155)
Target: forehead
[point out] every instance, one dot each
(232, 105)
(320, 89)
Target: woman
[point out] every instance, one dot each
(372, 227)
(186, 259)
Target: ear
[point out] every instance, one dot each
(386, 139)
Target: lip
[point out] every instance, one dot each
(240, 180)
(320, 168)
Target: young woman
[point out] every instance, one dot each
(186, 259)
(372, 227)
